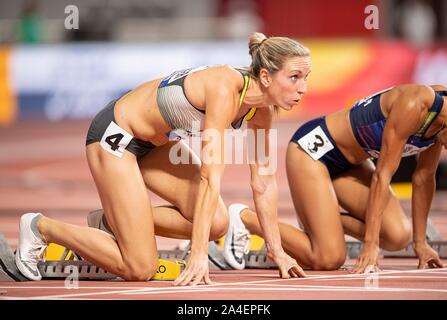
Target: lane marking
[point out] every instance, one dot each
(210, 287)
(307, 288)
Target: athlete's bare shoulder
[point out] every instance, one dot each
(410, 96)
(225, 75)
(439, 87)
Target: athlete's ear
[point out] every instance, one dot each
(264, 77)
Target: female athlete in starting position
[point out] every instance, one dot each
(128, 153)
(328, 167)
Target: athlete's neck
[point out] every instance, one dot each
(255, 96)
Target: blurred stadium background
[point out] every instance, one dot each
(53, 77)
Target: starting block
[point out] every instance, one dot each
(166, 270)
(440, 246)
(62, 263)
(434, 239)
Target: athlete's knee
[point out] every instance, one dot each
(397, 238)
(139, 269)
(331, 259)
(219, 227)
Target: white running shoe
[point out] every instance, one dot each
(237, 239)
(31, 248)
(183, 245)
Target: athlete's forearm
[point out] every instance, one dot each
(204, 210)
(378, 198)
(266, 203)
(423, 191)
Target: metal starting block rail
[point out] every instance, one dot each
(440, 246)
(259, 259)
(83, 270)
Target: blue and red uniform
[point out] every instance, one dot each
(367, 123)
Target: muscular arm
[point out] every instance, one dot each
(263, 179)
(424, 184)
(262, 152)
(221, 105)
(222, 86)
(406, 116)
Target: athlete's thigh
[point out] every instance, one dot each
(125, 201)
(175, 182)
(314, 199)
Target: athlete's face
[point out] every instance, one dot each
(288, 85)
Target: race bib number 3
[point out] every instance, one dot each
(316, 143)
(115, 140)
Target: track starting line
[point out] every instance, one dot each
(61, 263)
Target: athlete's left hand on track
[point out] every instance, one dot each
(427, 256)
(196, 270)
(368, 260)
(288, 267)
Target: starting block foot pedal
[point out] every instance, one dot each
(169, 269)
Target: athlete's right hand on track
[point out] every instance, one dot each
(288, 267)
(197, 269)
(427, 256)
(368, 260)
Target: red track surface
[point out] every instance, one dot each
(43, 168)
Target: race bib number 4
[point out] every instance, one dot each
(316, 143)
(115, 140)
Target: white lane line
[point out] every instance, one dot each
(74, 295)
(347, 287)
(169, 289)
(161, 288)
(80, 287)
(78, 295)
(387, 277)
(307, 288)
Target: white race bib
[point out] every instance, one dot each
(115, 140)
(316, 144)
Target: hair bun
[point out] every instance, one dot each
(255, 41)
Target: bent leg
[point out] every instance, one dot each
(178, 184)
(352, 189)
(322, 245)
(126, 203)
